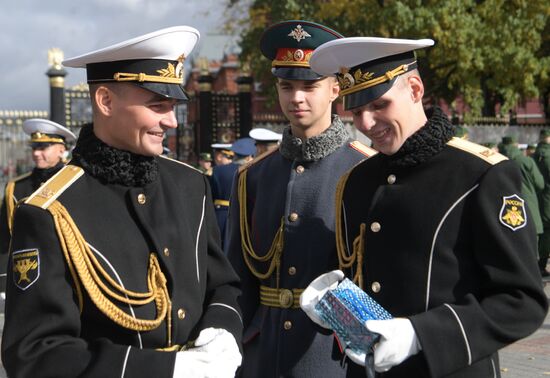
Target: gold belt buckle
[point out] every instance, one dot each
(286, 298)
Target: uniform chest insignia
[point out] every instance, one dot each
(512, 213)
(26, 268)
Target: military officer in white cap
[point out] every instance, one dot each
(115, 266)
(265, 139)
(433, 227)
(49, 142)
(281, 225)
(222, 153)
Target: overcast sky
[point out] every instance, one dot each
(28, 28)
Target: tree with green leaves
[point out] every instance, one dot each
(486, 52)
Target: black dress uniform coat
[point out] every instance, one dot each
(449, 244)
(297, 182)
(23, 186)
(126, 207)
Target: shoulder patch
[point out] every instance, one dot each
(258, 158)
(55, 186)
(512, 213)
(21, 177)
(179, 162)
(363, 148)
(481, 152)
(26, 267)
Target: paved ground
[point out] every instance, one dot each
(527, 358)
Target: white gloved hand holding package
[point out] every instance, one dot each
(316, 290)
(397, 342)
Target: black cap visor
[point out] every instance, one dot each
(174, 91)
(296, 73)
(360, 98)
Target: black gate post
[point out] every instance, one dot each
(203, 133)
(57, 74)
(245, 105)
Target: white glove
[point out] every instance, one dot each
(397, 342)
(193, 364)
(222, 345)
(315, 291)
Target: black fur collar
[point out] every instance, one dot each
(317, 147)
(40, 176)
(110, 165)
(426, 142)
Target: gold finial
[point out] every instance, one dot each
(55, 57)
(245, 68)
(204, 65)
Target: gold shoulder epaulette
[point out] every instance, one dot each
(21, 177)
(179, 162)
(481, 152)
(258, 158)
(55, 186)
(363, 148)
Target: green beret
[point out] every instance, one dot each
(545, 133)
(206, 156)
(509, 140)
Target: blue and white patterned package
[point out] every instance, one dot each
(345, 309)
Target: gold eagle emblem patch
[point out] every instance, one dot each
(26, 267)
(512, 213)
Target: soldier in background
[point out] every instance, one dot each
(532, 181)
(49, 143)
(264, 139)
(115, 265)
(281, 220)
(222, 153)
(205, 163)
(222, 179)
(542, 158)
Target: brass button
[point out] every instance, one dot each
(141, 198)
(292, 270)
(287, 325)
(181, 314)
(375, 227)
(375, 286)
(391, 179)
(286, 298)
(166, 252)
(300, 169)
(293, 217)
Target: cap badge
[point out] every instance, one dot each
(173, 72)
(347, 80)
(298, 55)
(512, 212)
(298, 33)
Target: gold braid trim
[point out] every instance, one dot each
(86, 271)
(10, 203)
(388, 76)
(142, 77)
(276, 249)
(346, 261)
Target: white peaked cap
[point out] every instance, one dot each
(331, 56)
(45, 126)
(261, 134)
(165, 44)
